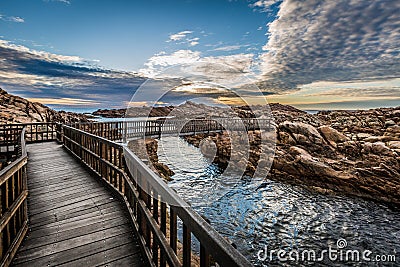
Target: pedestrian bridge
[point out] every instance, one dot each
(73, 194)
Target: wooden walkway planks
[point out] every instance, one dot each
(73, 218)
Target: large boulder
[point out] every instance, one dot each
(302, 132)
(312, 167)
(378, 148)
(332, 135)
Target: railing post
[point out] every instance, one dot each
(159, 129)
(204, 257)
(187, 248)
(1, 233)
(125, 134)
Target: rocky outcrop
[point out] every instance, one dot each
(146, 150)
(354, 153)
(15, 109)
(349, 152)
(134, 112)
(110, 113)
(195, 110)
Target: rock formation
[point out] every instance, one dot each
(15, 109)
(195, 110)
(349, 152)
(146, 150)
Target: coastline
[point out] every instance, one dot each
(351, 152)
(355, 153)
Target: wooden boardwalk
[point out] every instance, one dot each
(74, 220)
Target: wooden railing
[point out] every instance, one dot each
(156, 211)
(9, 138)
(110, 130)
(13, 197)
(134, 129)
(35, 132)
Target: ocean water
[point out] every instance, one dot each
(279, 216)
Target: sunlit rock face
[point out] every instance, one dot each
(15, 109)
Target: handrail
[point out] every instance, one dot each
(35, 131)
(151, 204)
(133, 129)
(223, 252)
(156, 211)
(13, 204)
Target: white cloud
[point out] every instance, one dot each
(16, 19)
(12, 19)
(227, 48)
(373, 89)
(160, 61)
(41, 54)
(60, 1)
(230, 69)
(65, 101)
(264, 3)
(179, 36)
(239, 63)
(193, 41)
(182, 38)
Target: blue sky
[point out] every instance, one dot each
(314, 54)
(124, 34)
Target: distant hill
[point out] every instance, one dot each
(196, 110)
(15, 109)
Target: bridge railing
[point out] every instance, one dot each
(146, 197)
(110, 130)
(133, 129)
(13, 196)
(35, 132)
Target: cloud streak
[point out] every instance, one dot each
(179, 36)
(184, 37)
(64, 101)
(67, 2)
(12, 19)
(227, 48)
